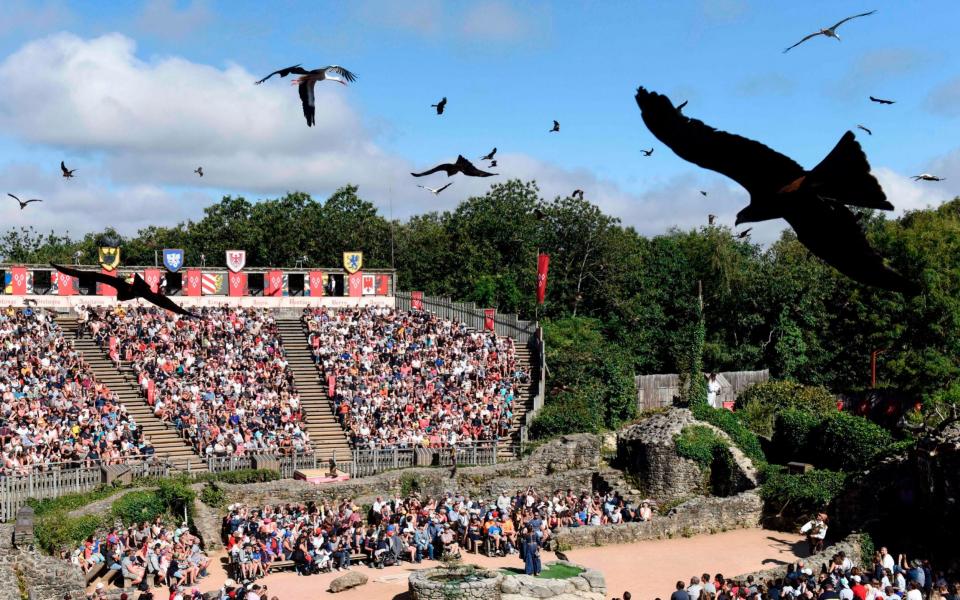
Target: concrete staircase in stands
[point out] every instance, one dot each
(164, 437)
(326, 434)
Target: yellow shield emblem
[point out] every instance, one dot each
(109, 257)
(352, 261)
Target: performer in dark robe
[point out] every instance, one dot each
(531, 554)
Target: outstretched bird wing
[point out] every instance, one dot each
(812, 35)
(449, 168)
(307, 100)
(64, 168)
(351, 77)
(881, 100)
(142, 290)
(831, 231)
(466, 167)
(751, 164)
(443, 188)
(115, 282)
(283, 73)
(839, 23)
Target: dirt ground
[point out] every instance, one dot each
(648, 570)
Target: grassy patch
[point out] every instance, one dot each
(549, 572)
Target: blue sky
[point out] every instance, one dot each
(140, 91)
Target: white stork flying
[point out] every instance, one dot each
(829, 31)
(307, 80)
(435, 192)
(927, 177)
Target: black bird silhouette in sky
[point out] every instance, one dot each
(578, 193)
(461, 166)
(65, 171)
(199, 171)
(556, 126)
(647, 152)
(129, 291)
(24, 203)
(307, 81)
(745, 233)
(881, 100)
(440, 105)
(490, 155)
(813, 202)
(865, 129)
(703, 193)
(493, 163)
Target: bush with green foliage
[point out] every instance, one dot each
(177, 495)
(137, 506)
(70, 502)
(242, 476)
(758, 404)
(56, 531)
(793, 434)
(837, 440)
(801, 493)
(698, 443)
(212, 495)
(727, 421)
(570, 412)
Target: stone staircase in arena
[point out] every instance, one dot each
(326, 434)
(164, 437)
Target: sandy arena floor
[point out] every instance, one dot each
(647, 569)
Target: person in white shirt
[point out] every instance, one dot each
(887, 560)
(913, 591)
(713, 391)
(816, 530)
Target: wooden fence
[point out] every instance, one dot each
(56, 480)
(655, 391)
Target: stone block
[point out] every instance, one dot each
(348, 580)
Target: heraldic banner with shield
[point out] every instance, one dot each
(352, 262)
(236, 260)
(109, 257)
(172, 259)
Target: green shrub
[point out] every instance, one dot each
(137, 506)
(758, 404)
(698, 443)
(177, 496)
(56, 531)
(409, 485)
(867, 548)
(793, 434)
(571, 412)
(242, 476)
(801, 493)
(212, 495)
(727, 421)
(70, 502)
(848, 442)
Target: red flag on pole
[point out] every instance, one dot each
(104, 289)
(274, 280)
(543, 264)
(355, 285)
(383, 285)
(416, 300)
(488, 315)
(152, 277)
(18, 281)
(316, 283)
(193, 282)
(64, 283)
(238, 284)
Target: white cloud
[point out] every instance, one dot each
(163, 18)
(495, 21)
(32, 16)
(945, 98)
(424, 17)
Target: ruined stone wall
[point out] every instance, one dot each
(850, 545)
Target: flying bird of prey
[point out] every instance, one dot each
(927, 177)
(435, 191)
(128, 291)
(647, 152)
(490, 155)
(461, 166)
(682, 104)
(829, 31)
(440, 105)
(307, 81)
(561, 556)
(493, 163)
(711, 219)
(24, 203)
(578, 193)
(199, 171)
(65, 171)
(703, 193)
(881, 100)
(745, 233)
(556, 126)
(813, 202)
(865, 129)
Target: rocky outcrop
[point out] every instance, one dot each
(647, 451)
(566, 453)
(697, 516)
(348, 580)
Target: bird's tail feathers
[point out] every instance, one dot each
(845, 176)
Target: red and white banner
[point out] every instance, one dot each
(316, 283)
(211, 283)
(18, 281)
(543, 265)
(355, 285)
(104, 289)
(488, 315)
(152, 277)
(193, 282)
(369, 287)
(416, 300)
(238, 284)
(383, 285)
(64, 283)
(273, 283)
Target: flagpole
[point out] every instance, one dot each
(392, 262)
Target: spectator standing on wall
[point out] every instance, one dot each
(713, 391)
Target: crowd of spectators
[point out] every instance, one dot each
(838, 579)
(408, 379)
(53, 411)
(222, 380)
(332, 536)
(145, 555)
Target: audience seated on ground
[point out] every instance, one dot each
(53, 411)
(222, 380)
(406, 379)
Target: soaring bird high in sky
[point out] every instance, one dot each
(435, 191)
(199, 171)
(927, 177)
(647, 152)
(65, 171)
(882, 101)
(24, 203)
(556, 126)
(461, 166)
(813, 202)
(829, 31)
(865, 129)
(128, 291)
(307, 81)
(489, 155)
(440, 105)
